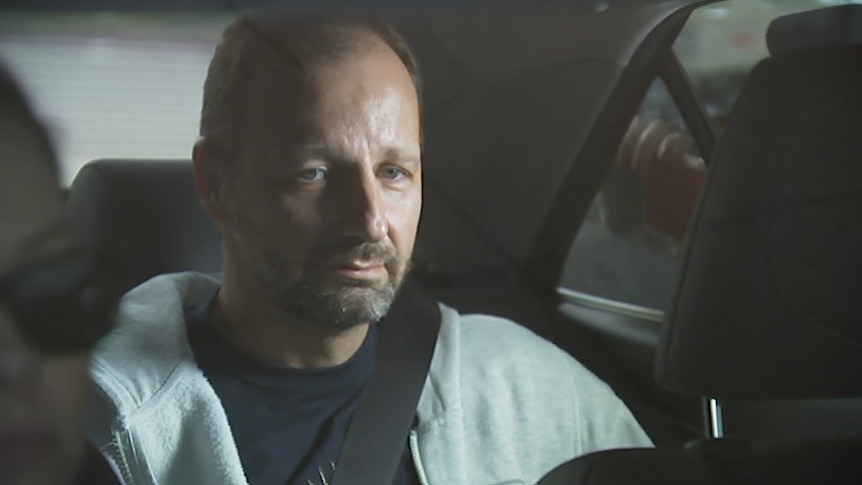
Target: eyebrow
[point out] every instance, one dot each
(403, 156)
(320, 150)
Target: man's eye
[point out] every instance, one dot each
(394, 173)
(313, 174)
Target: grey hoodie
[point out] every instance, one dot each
(500, 405)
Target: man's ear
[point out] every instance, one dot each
(209, 181)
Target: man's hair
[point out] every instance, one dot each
(248, 57)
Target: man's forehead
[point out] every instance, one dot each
(335, 99)
(300, 84)
(295, 43)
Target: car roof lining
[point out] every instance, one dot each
(493, 46)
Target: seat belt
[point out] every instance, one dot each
(378, 431)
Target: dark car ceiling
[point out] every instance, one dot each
(336, 5)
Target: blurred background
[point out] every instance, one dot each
(129, 85)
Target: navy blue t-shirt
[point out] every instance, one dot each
(288, 423)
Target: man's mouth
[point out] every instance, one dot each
(360, 269)
(366, 264)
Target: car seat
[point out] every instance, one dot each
(768, 304)
(145, 217)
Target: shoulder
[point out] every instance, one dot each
(500, 360)
(147, 346)
(492, 340)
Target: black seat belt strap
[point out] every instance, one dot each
(379, 428)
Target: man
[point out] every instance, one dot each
(310, 163)
(46, 328)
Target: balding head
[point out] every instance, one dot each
(260, 61)
(310, 164)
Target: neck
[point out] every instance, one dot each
(254, 324)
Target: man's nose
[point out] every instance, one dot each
(362, 209)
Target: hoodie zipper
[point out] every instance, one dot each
(114, 455)
(414, 453)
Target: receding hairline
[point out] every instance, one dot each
(247, 43)
(307, 40)
(305, 45)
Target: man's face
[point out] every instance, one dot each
(324, 210)
(42, 397)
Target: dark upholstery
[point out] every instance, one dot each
(146, 217)
(795, 418)
(714, 462)
(825, 26)
(781, 462)
(635, 466)
(768, 303)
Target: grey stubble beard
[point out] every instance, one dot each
(336, 302)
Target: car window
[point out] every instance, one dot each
(618, 255)
(626, 251)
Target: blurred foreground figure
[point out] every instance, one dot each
(49, 313)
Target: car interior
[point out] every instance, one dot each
(764, 301)
(741, 355)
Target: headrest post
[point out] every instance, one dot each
(713, 418)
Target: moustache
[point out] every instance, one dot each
(336, 255)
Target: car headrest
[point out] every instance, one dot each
(841, 24)
(145, 216)
(769, 302)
